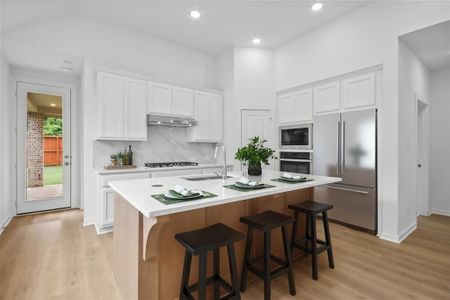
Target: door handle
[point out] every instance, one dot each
(338, 148)
(343, 148)
(66, 163)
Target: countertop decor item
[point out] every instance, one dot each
(254, 154)
(119, 167)
(113, 159)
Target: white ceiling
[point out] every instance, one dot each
(222, 23)
(431, 45)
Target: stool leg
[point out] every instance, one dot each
(307, 234)
(328, 240)
(233, 272)
(248, 247)
(186, 273)
(267, 279)
(202, 275)
(313, 246)
(216, 266)
(287, 255)
(294, 232)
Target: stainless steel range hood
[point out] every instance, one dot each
(168, 120)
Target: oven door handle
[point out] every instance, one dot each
(296, 160)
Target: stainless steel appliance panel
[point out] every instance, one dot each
(354, 206)
(296, 137)
(358, 154)
(326, 145)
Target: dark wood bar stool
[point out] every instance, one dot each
(199, 242)
(312, 209)
(266, 222)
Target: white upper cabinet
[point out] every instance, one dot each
(359, 91)
(121, 108)
(110, 92)
(295, 107)
(183, 102)
(209, 116)
(160, 98)
(170, 100)
(327, 97)
(285, 108)
(303, 103)
(136, 120)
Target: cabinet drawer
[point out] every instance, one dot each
(106, 179)
(176, 173)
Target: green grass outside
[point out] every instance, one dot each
(52, 175)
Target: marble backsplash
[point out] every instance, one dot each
(164, 144)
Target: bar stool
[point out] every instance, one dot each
(199, 242)
(312, 209)
(266, 222)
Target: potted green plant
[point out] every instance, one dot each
(254, 154)
(120, 158)
(113, 159)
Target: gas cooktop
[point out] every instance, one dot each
(171, 164)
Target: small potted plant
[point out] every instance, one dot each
(120, 158)
(113, 159)
(254, 154)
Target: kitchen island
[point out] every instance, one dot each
(147, 259)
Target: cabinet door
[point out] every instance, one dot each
(202, 105)
(285, 109)
(359, 91)
(110, 94)
(160, 98)
(215, 118)
(135, 116)
(107, 207)
(302, 101)
(326, 97)
(183, 102)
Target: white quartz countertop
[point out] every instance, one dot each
(138, 191)
(146, 169)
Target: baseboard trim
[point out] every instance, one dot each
(440, 212)
(5, 224)
(398, 238)
(103, 230)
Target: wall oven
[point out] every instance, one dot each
(296, 162)
(296, 137)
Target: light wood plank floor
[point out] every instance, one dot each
(51, 256)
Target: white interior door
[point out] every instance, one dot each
(43, 147)
(257, 123)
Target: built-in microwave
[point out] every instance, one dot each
(296, 137)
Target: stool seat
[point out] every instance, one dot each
(208, 238)
(267, 220)
(311, 207)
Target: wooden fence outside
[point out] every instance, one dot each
(53, 150)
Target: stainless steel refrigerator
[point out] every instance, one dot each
(345, 145)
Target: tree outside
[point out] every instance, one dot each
(53, 126)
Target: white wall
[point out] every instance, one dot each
(104, 46)
(440, 142)
(247, 77)
(364, 38)
(413, 82)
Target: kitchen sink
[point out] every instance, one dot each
(204, 177)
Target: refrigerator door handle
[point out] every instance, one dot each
(338, 165)
(343, 148)
(347, 190)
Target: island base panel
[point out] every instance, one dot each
(148, 261)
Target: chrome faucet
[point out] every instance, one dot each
(224, 168)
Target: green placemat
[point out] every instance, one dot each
(291, 182)
(163, 199)
(233, 187)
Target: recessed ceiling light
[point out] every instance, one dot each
(52, 104)
(67, 69)
(195, 14)
(256, 41)
(317, 6)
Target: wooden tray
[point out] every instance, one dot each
(118, 167)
